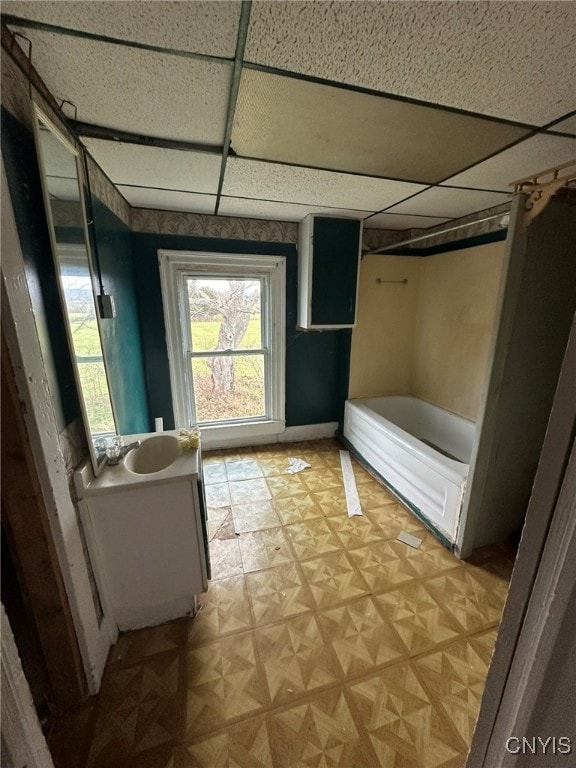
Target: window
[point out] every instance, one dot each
(224, 317)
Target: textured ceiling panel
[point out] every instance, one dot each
(167, 200)
(399, 221)
(134, 90)
(266, 209)
(568, 125)
(294, 121)
(514, 60)
(198, 27)
(449, 203)
(530, 156)
(284, 183)
(154, 167)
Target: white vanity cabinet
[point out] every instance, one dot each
(146, 540)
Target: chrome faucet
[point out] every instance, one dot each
(124, 449)
(116, 452)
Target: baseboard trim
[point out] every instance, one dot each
(290, 435)
(308, 432)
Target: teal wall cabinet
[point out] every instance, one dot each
(328, 265)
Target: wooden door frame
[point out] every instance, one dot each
(22, 736)
(94, 636)
(27, 526)
(532, 643)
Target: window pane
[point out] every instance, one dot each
(229, 387)
(87, 346)
(96, 396)
(225, 314)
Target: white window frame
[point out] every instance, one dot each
(175, 267)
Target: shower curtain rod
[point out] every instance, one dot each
(401, 244)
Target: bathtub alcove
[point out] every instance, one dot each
(432, 333)
(421, 452)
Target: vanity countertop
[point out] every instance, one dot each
(115, 478)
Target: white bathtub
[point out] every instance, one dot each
(395, 435)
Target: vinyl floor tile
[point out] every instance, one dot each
(225, 530)
(224, 609)
(298, 507)
(322, 641)
(320, 732)
(278, 593)
(255, 516)
(295, 659)
(382, 566)
(455, 677)
(138, 645)
(225, 558)
(420, 619)
(216, 518)
(286, 485)
(246, 745)
(215, 473)
(243, 470)
(355, 531)
(246, 491)
(264, 549)
(272, 466)
(312, 538)
(323, 479)
(139, 708)
(331, 501)
(223, 684)
(361, 638)
(406, 727)
(472, 605)
(217, 495)
(333, 580)
(373, 495)
(393, 518)
(429, 558)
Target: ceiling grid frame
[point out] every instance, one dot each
(397, 210)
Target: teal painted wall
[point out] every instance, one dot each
(317, 363)
(121, 339)
(24, 182)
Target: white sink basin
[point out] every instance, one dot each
(155, 454)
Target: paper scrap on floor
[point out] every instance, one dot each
(407, 538)
(296, 465)
(352, 498)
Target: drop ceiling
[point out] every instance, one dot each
(405, 114)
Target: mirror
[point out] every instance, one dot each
(65, 210)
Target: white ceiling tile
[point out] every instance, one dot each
(567, 126)
(133, 90)
(515, 60)
(308, 186)
(529, 156)
(267, 209)
(198, 27)
(284, 119)
(155, 167)
(449, 203)
(399, 221)
(168, 200)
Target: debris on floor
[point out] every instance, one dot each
(296, 465)
(352, 498)
(407, 538)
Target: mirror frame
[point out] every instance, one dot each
(97, 458)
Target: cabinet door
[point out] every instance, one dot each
(335, 246)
